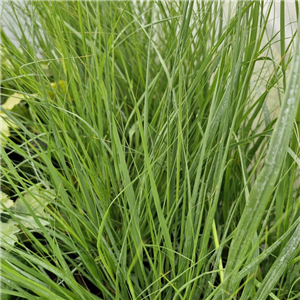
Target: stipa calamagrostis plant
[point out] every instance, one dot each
(142, 157)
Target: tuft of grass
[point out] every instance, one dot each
(150, 151)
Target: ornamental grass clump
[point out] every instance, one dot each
(150, 150)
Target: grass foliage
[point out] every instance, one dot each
(150, 150)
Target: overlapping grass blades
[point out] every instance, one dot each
(156, 125)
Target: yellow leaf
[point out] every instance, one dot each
(5, 200)
(8, 234)
(62, 86)
(12, 101)
(4, 128)
(5, 123)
